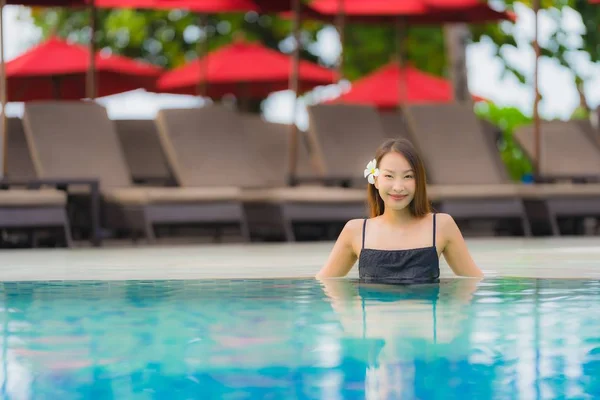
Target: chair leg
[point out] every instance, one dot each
(67, 231)
(139, 220)
(34, 238)
(218, 236)
(288, 229)
(554, 224)
(526, 226)
(245, 228)
(149, 230)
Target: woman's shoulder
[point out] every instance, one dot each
(351, 233)
(446, 226)
(443, 219)
(355, 225)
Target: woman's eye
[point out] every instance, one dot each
(408, 176)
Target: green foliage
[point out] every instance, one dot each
(165, 38)
(560, 44)
(170, 38)
(508, 119)
(368, 47)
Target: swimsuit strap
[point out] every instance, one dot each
(433, 230)
(363, 233)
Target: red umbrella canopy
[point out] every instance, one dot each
(381, 88)
(243, 5)
(248, 70)
(56, 69)
(47, 3)
(200, 6)
(414, 11)
(370, 8)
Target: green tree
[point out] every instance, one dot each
(560, 44)
(165, 38)
(559, 47)
(169, 38)
(368, 47)
(508, 119)
(160, 36)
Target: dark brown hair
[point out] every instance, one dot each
(419, 206)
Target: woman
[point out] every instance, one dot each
(402, 240)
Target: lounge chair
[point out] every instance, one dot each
(343, 139)
(306, 203)
(22, 208)
(18, 163)
(569, 151)
(393, 124)
(568, 154)
(463, 165)
(143, 152)
(44, 208)
(270, 140)
(75, 140)
(213, 146)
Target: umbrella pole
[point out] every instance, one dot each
(56, 87)
(91, 74)
(3, 92)
(536, 101)
(202, 50)
(400, 42)
(401, 33)
(244, 98)
(340, 23)
(293, 84)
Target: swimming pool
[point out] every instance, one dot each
(300, 339)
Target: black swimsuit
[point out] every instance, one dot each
(410, 265)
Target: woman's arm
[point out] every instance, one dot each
(455, 249)
(342, 257)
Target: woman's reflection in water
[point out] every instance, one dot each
(391, 327)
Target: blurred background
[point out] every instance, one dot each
(499, 56)
(483, 54)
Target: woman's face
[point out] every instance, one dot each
(396, 181)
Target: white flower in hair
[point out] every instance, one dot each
(371, 171)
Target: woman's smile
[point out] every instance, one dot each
(397, 197)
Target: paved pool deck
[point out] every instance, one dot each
(564, 258)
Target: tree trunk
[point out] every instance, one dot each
(456, 39)
(583, 103)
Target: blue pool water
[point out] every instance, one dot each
(300, 339)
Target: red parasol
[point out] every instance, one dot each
(199, 6)
(202, 6)
(380, 88)
(47, 3)
(412, 11)
(248, 70)
(56, 69)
